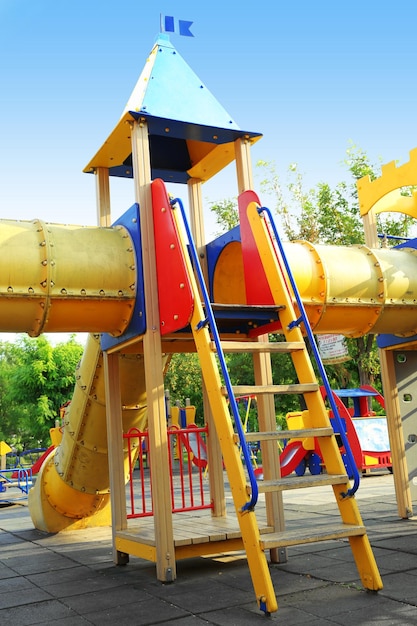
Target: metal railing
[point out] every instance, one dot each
(187, 464)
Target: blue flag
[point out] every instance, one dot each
(170, 24)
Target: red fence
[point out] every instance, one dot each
(187, 465)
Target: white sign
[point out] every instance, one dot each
(333, 349)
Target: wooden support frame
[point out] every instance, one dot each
(270, 455)
(152, 351)
(243, 165)
(115, 451)
(103, 196)
(164, 550)
(395, 433)
(392, 408)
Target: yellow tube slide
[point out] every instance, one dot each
(57, 278)
(350, 290)
(72, 488)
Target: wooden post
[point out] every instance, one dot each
(395, 433)
(392, 407)
(103, 196)
(370, 229)
(269, 449)
(152, 352)
(115, 450)
(243, 165)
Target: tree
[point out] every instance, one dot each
(9, 412)
(226, 213)
(35, 381)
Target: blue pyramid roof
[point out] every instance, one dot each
(190, 133)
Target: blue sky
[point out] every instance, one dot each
(311, 76)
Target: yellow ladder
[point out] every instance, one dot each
(209, 345)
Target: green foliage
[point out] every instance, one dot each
(35, 380)
(324, 214)
(227, 214)
(183, 380)
(319, 215)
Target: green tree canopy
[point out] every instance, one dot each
(36, 379)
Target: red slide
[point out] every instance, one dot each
(291, 456)
(194, 443)
(37, 464)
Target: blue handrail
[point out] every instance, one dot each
(351, 465)
(250, 505)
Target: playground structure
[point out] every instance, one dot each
(366, 432)
(369, 439)
(21, 478)
(147, 286)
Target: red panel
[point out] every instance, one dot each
(176, 300)
(256, 284)
(351, 433)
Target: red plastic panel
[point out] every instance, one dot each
(174, 290)
(257, 288)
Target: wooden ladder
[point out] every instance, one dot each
(221, 396)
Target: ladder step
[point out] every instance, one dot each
(297, 388)
(260, 346)
(300, 433)
(299, 536)
(301, 482)
(246, 309)
(245, 318)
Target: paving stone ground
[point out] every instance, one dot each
(69, 579)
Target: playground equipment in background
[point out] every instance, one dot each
(189, 487)
(253, 446)
(367, 434)
(367, 431)
(21, 478)
(300, 453)
(189, 434)
(55, 434)
(36, 466)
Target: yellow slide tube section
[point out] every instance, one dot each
(59, 278)
(72, 488)
(351, 290)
